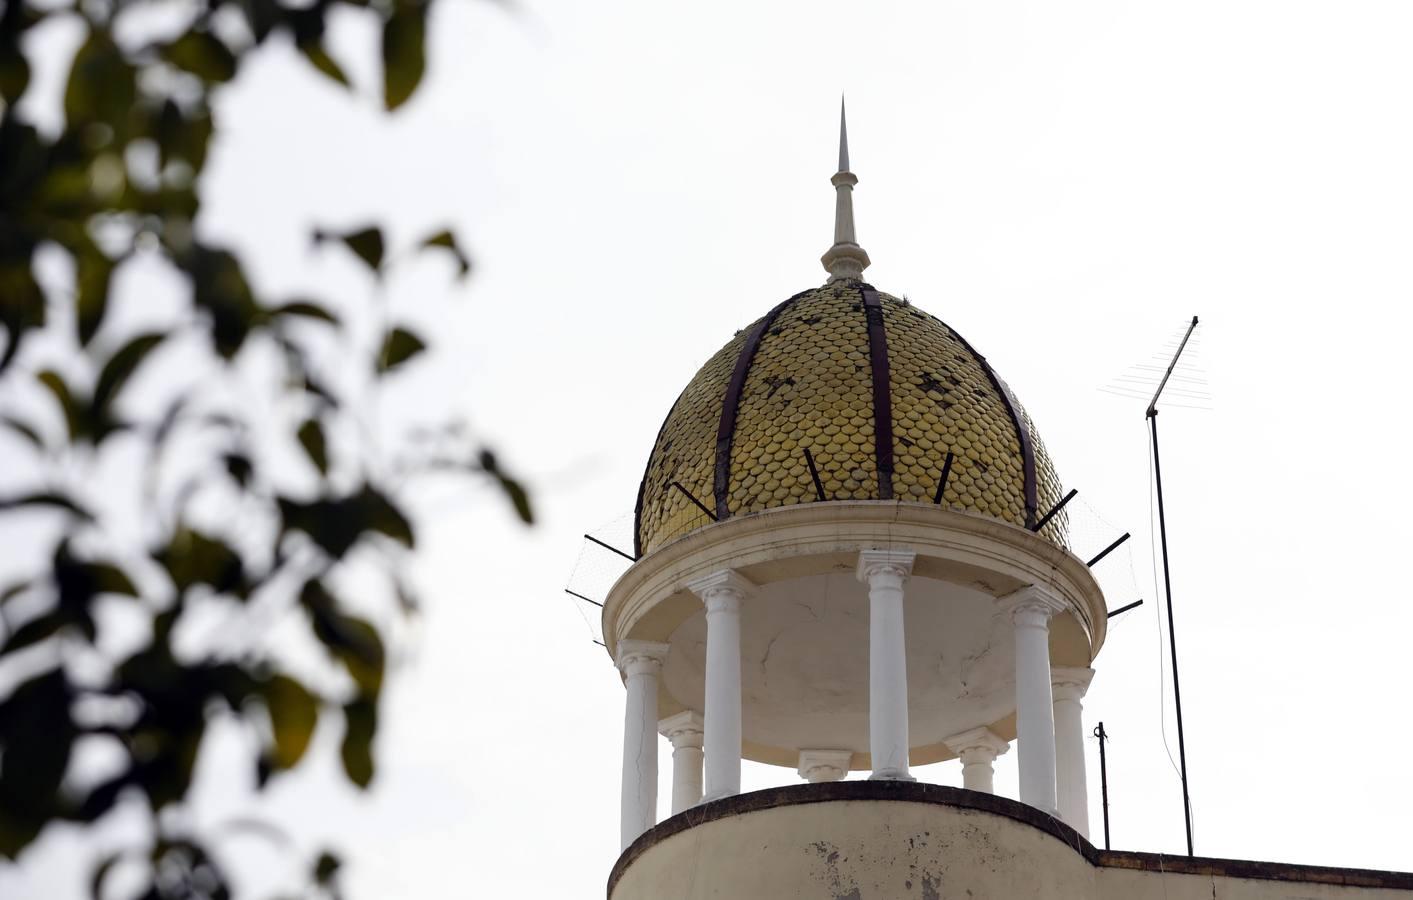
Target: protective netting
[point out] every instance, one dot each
(1090, 534)
(597, 568)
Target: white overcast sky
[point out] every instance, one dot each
(1063, 183)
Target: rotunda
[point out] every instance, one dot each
(850, 557)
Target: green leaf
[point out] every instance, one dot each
(264, 15)
(353, 641)
(14, 75)
(37, 733)
(320, 59)
(100, 874)
(95, 273)
(109, 579)
(294, 712)
(167, 776)
(102, 85)
(514, 491)
(203, 55)
(120, 368)
(23, 428)
(22, 304)
(404, 56)
(194, 558)
(181, 135)
(336, 525)
(14, 590)
(382, 516)
(399, 346)
(35, 630)
(448, 240)
(73, 417)
(239, 467)
(45, 499)
(311, 437)
(367, 243)
(361, 718)
(220, 287)
(305, 309)
(326, 868)
(102, 797)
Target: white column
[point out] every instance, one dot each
(1031, 609)
(722, 592)
(978, 749)
(885, 572)
(824, 765)
(640, 662)
(1072, 785)
(684, 730)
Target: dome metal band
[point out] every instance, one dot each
(1027, 447)
(731, 403)
(882, 392)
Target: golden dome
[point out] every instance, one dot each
(802, 377)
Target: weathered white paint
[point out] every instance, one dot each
(886, 850)
(1030, 609)
(1071, 782)
(639, 661)
(722, 593)
(824, 765)
(885, 572)
(684, 730)
(859, 850)
(978, 749)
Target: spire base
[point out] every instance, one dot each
(845, 261)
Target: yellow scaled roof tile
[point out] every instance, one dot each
(807, 385)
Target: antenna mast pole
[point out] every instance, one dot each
(1103, 736)
(1152, 416)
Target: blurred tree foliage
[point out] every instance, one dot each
(221, 531)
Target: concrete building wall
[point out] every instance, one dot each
(886, 840)
(1148, 884)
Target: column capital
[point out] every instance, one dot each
(685, 729)
(981, 744)
(898, 563)
(640, 657)
(1070, 683)
(824, 765)
(1033, 604)
(720, 589)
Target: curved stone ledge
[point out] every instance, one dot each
(993, 845)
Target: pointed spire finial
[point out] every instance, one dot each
(846, 259)
(843, 137)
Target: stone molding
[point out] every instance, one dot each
(722, 590)
(640, 657)
(1069, 682)
(981, 744)
(885, 563)
(1032, 606)
(685, 729)
(824, 765)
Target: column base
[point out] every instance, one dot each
(891, 775)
